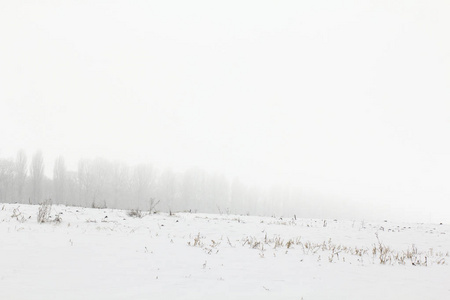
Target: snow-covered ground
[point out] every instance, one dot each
(107, 254)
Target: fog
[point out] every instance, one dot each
(325, 109)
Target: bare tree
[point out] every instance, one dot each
(238, 196)
(72, 189)
(142, 183)
(60, 180)
(217, 193)
(167, 188)
(194, 189)
(37, 176)
(102, 182)
(20, 175)
(121, 184)
(84, 182)
(6, 180)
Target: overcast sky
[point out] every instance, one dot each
(347, 98)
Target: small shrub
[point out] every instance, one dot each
(18, 215)
(57, 219)
(135, 213)
(44, 211)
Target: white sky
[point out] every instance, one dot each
(348, 98)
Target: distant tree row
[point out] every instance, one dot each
(102, 183)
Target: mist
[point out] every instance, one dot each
(321, 110)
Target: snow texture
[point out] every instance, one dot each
(81, 253)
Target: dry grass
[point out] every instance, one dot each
(379, 253)
(197, 242)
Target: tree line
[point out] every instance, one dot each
(101, 183)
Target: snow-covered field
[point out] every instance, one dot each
(107, 254)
